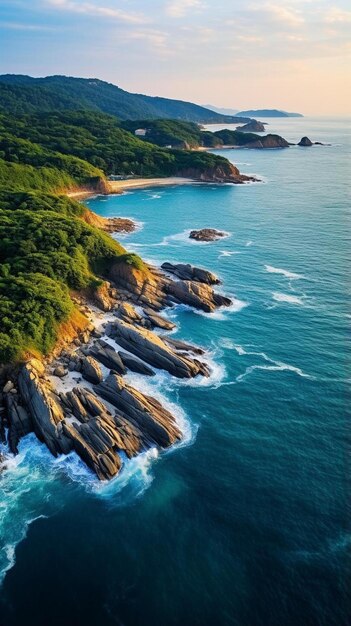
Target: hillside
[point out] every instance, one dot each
(21, 94)
(267, 113)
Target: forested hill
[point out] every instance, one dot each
(21, 94)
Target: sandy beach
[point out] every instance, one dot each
(120, 185)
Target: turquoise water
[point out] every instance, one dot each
(247, 523)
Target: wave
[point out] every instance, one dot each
(249, 243)
(286, 273)
(272, 364)
(223, 312)
(285, 297)
(226, 253)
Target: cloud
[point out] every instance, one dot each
(282, 14)
(156, 38)
(88, 8)
(335, 15)
(23, 26)
(179, 8)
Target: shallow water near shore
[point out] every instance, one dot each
(246, 522)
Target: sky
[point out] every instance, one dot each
(286, 54)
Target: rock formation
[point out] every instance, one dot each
(150, 348)
(252, 127)
(305, 142)
(207, 234)
(189, 272)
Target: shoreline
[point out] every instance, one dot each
(118, 186)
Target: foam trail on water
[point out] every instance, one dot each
(288, 298)
(226, 253)
(277, 270)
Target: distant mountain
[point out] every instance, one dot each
(268, 113)
(23, 94)
(221, 110)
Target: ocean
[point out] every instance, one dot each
(247, 521)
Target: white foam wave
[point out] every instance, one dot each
(223, 312)
(286, 273)
(249, 243)
(288, 298)
(226, 253)
(273, 365)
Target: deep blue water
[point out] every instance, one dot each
(248, 522)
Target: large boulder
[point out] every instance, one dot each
(185, 271)
(153, 350)
(91, 370)
(197, 295)
(19, 421)
(103, 352)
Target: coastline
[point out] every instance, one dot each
(118, 186)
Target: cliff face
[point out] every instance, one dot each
(226, 173)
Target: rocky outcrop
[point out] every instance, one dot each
(46, 412)
(91, 370)
(105, 354)
(157, 321)
(268, 141)
(153, 350)
(135, 365)
(155, 425)
(226, 173)
(207, 234)
(103, 297)
(198, 295)
(252, 127)
(305, 142)
(189, 272)
(19, 421)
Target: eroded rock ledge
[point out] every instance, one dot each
(98, 414)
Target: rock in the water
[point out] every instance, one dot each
(104, 353)
(153, 350)
(91, 370)
(19, 422)
(207, 234)
(305, 142)
(198, 295)
(156, 425)
(189, 272)
(135, 365)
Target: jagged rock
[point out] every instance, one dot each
(182, 346)
(105, 464)
(207, 234)
(9, 385)
(45, 410)
(154, 351)
(104, 353)
(305, 142)
(189, 272)
(145, 285)
(60, 371)
(135, 365)
(91, 370)
(19, 422)
(197, 295)
(102, 297)
(155, 424)
(128, 313)
(158, 321)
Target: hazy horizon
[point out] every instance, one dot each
(292, 55)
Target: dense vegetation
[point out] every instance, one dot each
(47, 248)
(174, 133)
(23, 94)
(99, 140)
